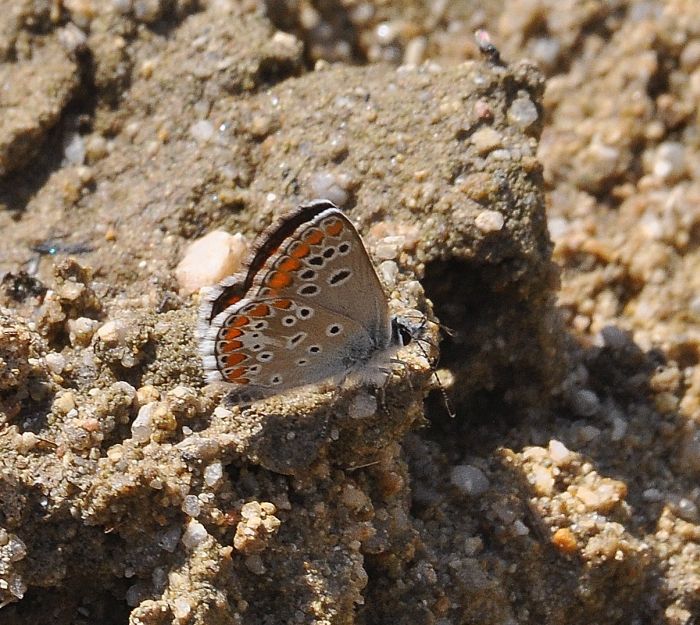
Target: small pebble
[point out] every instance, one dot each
(71, 290)
(142, 426)
(542, 481)
(286, 40)
(112, 332)
(354, 498)
(652, 494)
(522, 112)
(29, 441)
(73, 38)
(202, 130)
(362, 406)
(181, 608)
(170, 538)
(96, 147)
(74, 149)
(210, 259)
(200, 448)
(614, 337)
(559, 453)
(122, 6)
(694, 305)
(669, 161)
(147, 11)
(213, 473)
(414, 53)
(329, 186)
(585, 403)
(545, 51)
(389, 271)
(147, 393)
(255, 564)
(64, 403)
(191, 506)
(81, 330)
(486, 139)
(469, 479)
(389, 247)
(194, 535)
(685, 509)
(565, 540)
(55, 362)
(15, 549)
(489, 221)
(587, 433)
(619, 428)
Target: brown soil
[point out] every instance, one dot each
(549, 217)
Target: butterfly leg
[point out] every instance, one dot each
(380, 396)
(407, 369)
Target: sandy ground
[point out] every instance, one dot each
(545, 209)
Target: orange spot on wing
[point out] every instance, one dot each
(243, 381)
(279, 279)
(236, 373)
(233, 333)
(235, 359)
(260, 310)
(314, 237)
(240, 321)
(230, 346)
(289, 264)
(301, 250)
(231, 301)
(284, 304)
(335, 228)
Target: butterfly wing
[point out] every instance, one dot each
(315, 308)
(234, 288)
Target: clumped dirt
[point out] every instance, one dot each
(546, 214)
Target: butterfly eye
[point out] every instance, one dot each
(401, 334)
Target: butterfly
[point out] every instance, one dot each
(309, 307)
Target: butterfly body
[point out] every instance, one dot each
(310, 307)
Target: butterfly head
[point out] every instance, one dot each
(401, 333)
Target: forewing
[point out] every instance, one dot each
(326, 264)
(234, 288)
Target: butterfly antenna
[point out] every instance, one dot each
(433, 366)
(424, 321)
(362, 466)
